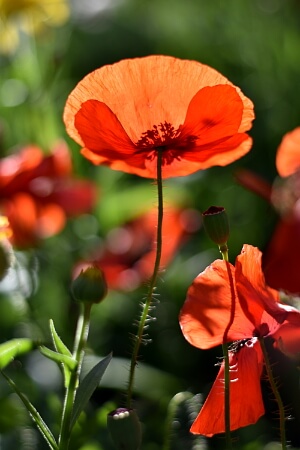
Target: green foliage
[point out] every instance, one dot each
(87, 386)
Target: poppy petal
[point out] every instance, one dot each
(102, 132)
(260, 302)
(287, 339)
(208, 307)
(143, 92)
(214, 113)
(246, 367)
(288, 153)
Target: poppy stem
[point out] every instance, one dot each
(272, 382)
(224, 252)
(149, 298)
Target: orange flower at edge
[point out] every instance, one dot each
(288, 153)
(123, 114)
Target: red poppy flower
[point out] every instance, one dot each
(123, 114)
(38, 192)
(128, 255)
(257, 313)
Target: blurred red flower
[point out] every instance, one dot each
(128, 254)
(257, 314)
(123, 114)
(38, 192)
(280, 261)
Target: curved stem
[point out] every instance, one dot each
(81, 336)
(152, 283)
(276, 394)
(224, 251)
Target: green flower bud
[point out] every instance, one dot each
(90, 285)
(216, 224)
(125, 429)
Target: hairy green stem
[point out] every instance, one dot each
(81, 336)
(149, 298)
(276, 393)
(224, 251)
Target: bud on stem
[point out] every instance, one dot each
(90, 286)
(216, 224)
(125, 429)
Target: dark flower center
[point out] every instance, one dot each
(236, 346)
(160, 136)
(165, 138)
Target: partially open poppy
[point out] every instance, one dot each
(257, 314)
(128, 253)
(124, 114)
(38, 192)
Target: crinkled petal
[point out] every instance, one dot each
(209, 308)
(214, 114)
(246, 404)
(288, 153)
(143, 92)
(260, 302)
(105, 140)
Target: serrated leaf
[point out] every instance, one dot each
(15, 347)
(60, 347)
(42, 426)
(68, 361)
(87, 386)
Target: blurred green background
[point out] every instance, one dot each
(256, 44)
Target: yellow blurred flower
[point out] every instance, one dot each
(29, 16)
(5, 230)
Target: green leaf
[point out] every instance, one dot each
(57, 342)
(68, 361)
(45, 431)
(15, 347)
(87, 386)
(62, 349)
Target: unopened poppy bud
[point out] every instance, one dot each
(216, 224)
(125, 429)
(90, 286)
